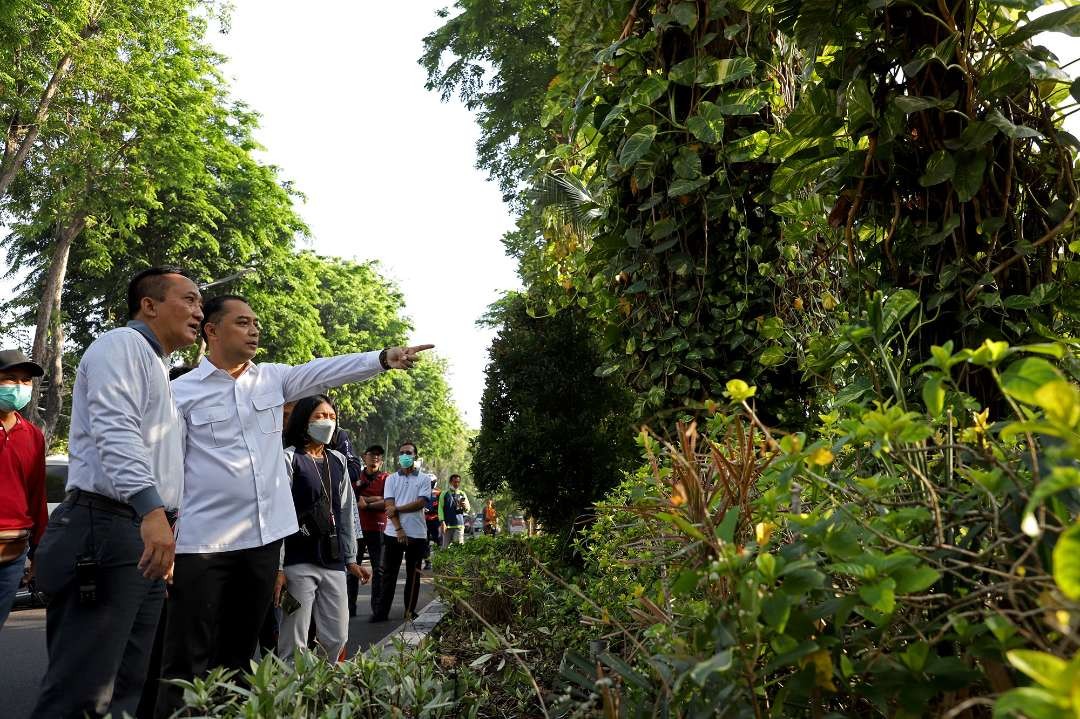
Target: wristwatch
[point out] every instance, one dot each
(382, 360)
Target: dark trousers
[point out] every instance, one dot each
(98, 652)
(217, 606)
(393, 551)
(371, 543)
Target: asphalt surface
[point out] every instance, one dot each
(23, 658)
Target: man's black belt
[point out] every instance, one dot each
(94, 500)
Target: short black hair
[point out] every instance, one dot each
(296, 435)
(175, 372)
(453, 477)
(375, 449)
(149, 283)
(415, 449)
(214, 307)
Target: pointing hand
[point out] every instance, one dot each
(404, 357)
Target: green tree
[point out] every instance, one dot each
(497, 56)
(143, 102)
(417, 406)
(552, 433)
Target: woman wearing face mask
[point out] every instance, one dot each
(316, 558)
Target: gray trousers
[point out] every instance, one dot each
(453, 535)
(322, 593)
(98, 653)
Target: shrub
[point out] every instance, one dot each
(401, 683)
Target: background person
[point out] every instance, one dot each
(23, 508)
(405, 494)
(453, 507)
(317, 557)
(431, 519)
(491, 518)
(238, 503)
(126, 469)
(372, 509)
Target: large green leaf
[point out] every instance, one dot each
(1028, 702)
(685, 13)
(772, 356)
(1067, 562)
(649, 91)
(1023, 378)
(1065, 21)
(881, 596)
(722, 72)
(682, 187)
(708, 124)
(720, 662)
(897, 307)
(969, 175)
(933, 393)
(748, 148)
(1046, 669)
(637, 145)
(741, 102)
(939, 168)
(687, 164)
(1016, 132)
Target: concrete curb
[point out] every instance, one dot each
(412, 632)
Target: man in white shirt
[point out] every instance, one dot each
(238, 504)
(405, 494)
(109, 545)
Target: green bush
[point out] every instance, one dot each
(913, 555)
(899, 558)
(401, 683)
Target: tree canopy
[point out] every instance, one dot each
(123, 149)
(552, 432)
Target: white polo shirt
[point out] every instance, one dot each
(236, 482)
(405, 488)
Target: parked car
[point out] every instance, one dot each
(517, 524)
(56, 472)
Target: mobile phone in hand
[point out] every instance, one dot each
(289, 603)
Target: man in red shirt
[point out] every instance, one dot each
(23, 511)
(369, 501)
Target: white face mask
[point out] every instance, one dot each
(321, 430)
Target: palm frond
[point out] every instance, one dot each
(571, 200)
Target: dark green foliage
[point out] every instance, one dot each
(551, 431)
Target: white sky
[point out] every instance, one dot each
(388, 170)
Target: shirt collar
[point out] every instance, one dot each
(207, 368)
(144, 329)
(20, 423)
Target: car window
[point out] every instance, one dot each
(55, 482)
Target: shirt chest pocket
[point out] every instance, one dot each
(210, 425)
(268, 411)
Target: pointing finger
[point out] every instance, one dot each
(418, 348)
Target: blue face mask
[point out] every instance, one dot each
(405, 460)
(14, 396)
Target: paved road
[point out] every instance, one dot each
(22, 647)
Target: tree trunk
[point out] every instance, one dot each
(50, 304)
(54, 393)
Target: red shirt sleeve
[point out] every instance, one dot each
(36, 501)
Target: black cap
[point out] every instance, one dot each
(11, 359)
